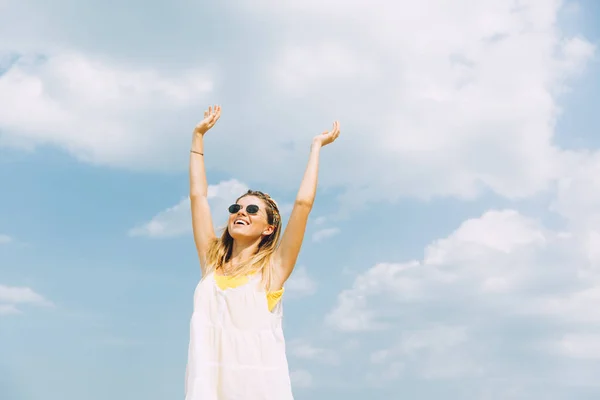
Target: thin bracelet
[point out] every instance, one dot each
(197, 152)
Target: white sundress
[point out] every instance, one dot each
(237, 348)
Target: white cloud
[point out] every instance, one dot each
(301, 378)
(19, 295)
(324, 233)
(4, 239)
(352, 313)
(100, 111)
(503, 231)
(578, 189)
(8, 309)
(304, 68)
(13, 296)
(498, 283)
(302, 349)
(487, 256)
(466, 105)
(503, 289)
(176, 220)
(581, 305)
(576, 345)
(441, 352)
(320, 220)
(300, 284)
(173, 221)
(392, 372)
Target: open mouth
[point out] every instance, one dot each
(240, 222)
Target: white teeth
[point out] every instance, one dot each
(240, 222)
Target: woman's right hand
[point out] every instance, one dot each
(211, 116)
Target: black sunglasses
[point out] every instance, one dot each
(250, 208)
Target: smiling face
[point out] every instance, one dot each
(248, 225)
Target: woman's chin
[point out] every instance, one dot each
(240, 232)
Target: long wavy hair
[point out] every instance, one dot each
(219, 251)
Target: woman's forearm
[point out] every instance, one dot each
(198, 182)
(308, 187)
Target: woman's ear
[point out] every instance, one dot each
(268, 230)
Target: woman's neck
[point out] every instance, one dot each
(242, 252)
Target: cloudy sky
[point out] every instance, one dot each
(454, 248)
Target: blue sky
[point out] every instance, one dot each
(454, 246)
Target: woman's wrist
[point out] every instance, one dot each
(197, 143)
(316, 144)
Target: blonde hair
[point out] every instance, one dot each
(219, 251)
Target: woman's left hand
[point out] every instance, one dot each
(328, 136)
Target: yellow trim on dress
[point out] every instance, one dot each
(231, 282)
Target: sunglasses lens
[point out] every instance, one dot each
(234, 208)
(252, 209)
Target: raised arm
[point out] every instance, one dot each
(202, 224)
(291, 242)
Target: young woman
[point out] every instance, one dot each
(237, 348)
